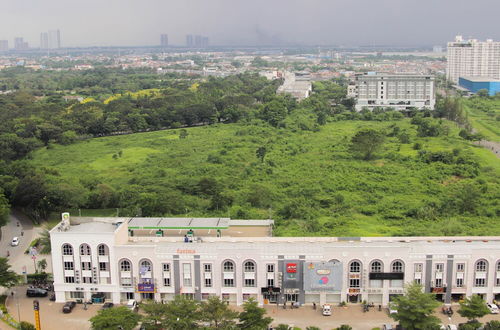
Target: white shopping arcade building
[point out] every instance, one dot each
(117, 259)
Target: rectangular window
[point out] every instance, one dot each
(76, 295)
(69, 279)
(166, 281)
(439, 268)
(228, 282)
(166, 267)
(270, 268)
(460, 267)
(87, 280)
(68, 265)
(207, 268)
(246, 296)
(497, 282)
(126, 281)
(186, 272)
(103, 266)
(86, 265)
(460, 282)
(418, 281)
(270, 282)
(480, 282)
(418, 268)
(249, 282)
(439, 283)
(208, 282)
(354, 283)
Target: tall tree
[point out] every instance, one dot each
(44, 241)
(155, 314)
(473, 307)
(4, 209)
(115, 318)
(253, 317)
(366, 142)
(181, 314)
(415, 309)
(8, 278)
(216, 312)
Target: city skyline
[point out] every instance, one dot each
(280, 23)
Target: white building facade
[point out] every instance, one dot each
(472, 58)
(398, 91)
(107, 257)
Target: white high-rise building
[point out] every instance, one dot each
(44, 40)
(473, 58)
(398, 91)
(54, 39)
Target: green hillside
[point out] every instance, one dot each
(309, 181)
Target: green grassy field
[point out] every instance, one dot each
(484, 115)
(309, 181)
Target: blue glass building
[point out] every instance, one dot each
(474, 84)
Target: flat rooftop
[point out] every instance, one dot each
(480, 79)
(178, 223)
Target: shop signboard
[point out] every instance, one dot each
(323, 276)
(145, 288)
(387, 276)
(291, 267)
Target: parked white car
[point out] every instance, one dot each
(493, 308)
(327, 310)
(132, 305)
(15, 241)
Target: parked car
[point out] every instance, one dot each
(107, 305)
(493, 308)
(15, 241)
(36, 292)
(132, 305)
(387, 327)
(327, 310)
(68, 307)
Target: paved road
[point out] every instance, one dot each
(494, 147)
(17, 258)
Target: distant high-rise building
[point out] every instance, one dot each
(54, 39)
(44, 40)
(473, 58)
(164, 40)
(200, 41)
(4, 45)
(20, 44)
(189, 40)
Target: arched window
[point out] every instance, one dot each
(145, 266)
(228, 266)
(103, 250)
(376, 267)
(481, 266)
(84, 250)
(354, 267)
(67, 250)
(249, 267)
(397, 267)
(125, 266)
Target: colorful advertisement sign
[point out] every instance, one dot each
(291, 268)
(145, 288)
(323, 276)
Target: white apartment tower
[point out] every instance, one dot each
(398, 91)
(473, 58)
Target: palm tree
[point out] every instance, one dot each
(44, 241)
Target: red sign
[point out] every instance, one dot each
(291, 268)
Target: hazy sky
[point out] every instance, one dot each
(250, 22)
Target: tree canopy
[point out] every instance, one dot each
(473, 307)
(415, 309)
(113, 318)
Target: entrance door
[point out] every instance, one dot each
(129, 295)
(354, 299)
(271, 297)
(147, 296)
(292, 297)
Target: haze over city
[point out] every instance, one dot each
(259, 22)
